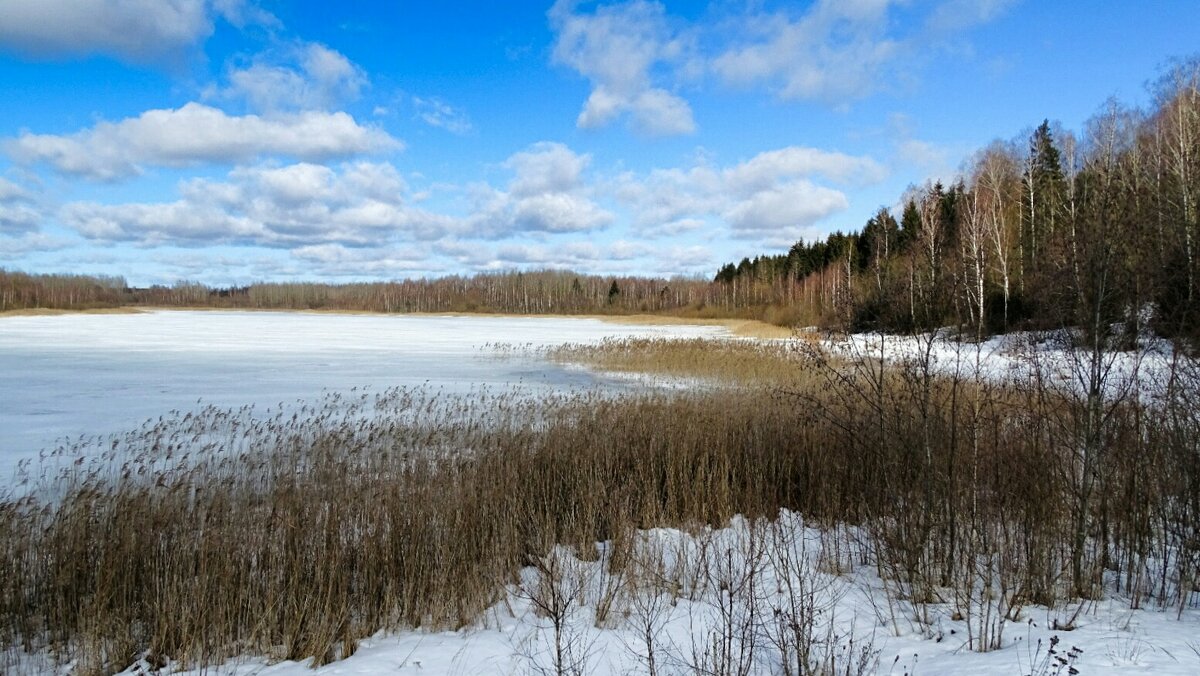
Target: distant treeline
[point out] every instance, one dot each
(1050, 230)
(536, 292)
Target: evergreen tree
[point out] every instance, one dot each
(910, 224)
(1042, 198)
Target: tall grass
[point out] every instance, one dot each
(207, 535)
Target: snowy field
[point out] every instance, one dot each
(80, 374)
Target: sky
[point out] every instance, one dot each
(236, 141)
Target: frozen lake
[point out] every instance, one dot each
(69, 375)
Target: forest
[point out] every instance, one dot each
(1049, 230)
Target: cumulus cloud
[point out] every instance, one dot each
(18, 218)
(545, 213)
(302, 76)
(832, 51)
(783, 208)
(767, 167)
(195, 134)
(547, 194)
(772, 195)
(16, 247)
(297, 205)
(18, 213)
(616, 48)
(546, 168)
(11, 192)
(134, 30)
(153, 224)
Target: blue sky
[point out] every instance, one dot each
(232, 141)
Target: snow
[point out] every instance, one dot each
(78, 374)
(852, 616)
(1017, 358)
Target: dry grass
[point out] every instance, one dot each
(742, 328)
(46, 312)
(736, 361)
(207, 535)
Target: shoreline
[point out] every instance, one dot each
(741, 328)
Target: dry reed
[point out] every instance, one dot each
(206, 535)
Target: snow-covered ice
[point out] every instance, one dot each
(82, 374)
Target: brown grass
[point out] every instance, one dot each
(728, 361)
(47, 312)
(217, 533)
(743, 328)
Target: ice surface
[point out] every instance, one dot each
(69, 375)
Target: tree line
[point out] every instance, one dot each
(1052, 229)
(528, 292)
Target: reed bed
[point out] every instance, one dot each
(295, 533)
(715, 361)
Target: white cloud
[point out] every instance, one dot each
(16, 218)
(837, 51)
(134, 30)
(767, 167)
(15, 248)
(666, 196)
(197, 134)
(437, 113)
(297, 205)
(17, 209)
(771, 195)
(558, 212)
(782, 210)
(304, 76)
(363, 215)
(622, 250)
(547, 194)
(616, 48)
(11, 192)
(242, 13)
(832, 51)
(545, 168)
(154, 224)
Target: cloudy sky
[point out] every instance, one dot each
(230, 141)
